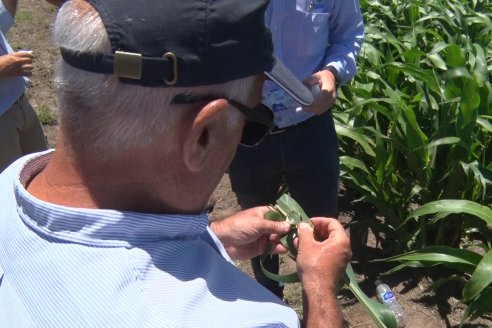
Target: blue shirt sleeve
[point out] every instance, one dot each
(346, 37)
(6, 19)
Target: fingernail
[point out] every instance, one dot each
(302, 225)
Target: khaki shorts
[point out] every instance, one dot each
(20, 132)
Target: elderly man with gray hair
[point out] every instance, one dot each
(110, 229)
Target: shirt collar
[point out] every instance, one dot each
(97, 226)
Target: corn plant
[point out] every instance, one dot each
(415, 124)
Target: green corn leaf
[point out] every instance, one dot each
(437, 60)
(455, 258)
(426, 77)
(454, 56)
(481, 305)
(360, 138)
(380, 313)
(407, 264)
(353, 163)
(285, 278)
(480, 64)
(454, 206)
(443, 141)
(485, 124)
(481, 279)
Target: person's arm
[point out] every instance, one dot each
(346, 37)
(321, 262)
(247, 234)
(11, 6)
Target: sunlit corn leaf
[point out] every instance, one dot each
(353, 163)
(360, 138)
(485, 123)
(406, 264)
(481, 279)
(460, 259)
(454, 206)
(443, 141)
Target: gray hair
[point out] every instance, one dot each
(99, 111)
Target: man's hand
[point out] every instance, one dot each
(325, 99)
(321, 262)
(248, 234)
(16, 64)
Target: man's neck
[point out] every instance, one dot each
(126, 187)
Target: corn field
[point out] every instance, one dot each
(415, 133)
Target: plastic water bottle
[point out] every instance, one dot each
(386, 296)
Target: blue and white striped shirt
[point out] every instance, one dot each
(72, 267)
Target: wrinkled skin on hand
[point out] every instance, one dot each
(16, 64)
(322, 260)
(247, 234)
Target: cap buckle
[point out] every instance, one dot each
(172, 56)
(128, 64)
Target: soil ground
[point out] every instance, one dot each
(422, 307)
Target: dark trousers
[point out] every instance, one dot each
(305, 157)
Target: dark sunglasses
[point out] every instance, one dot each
(259, 120)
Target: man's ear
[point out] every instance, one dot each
(206, 136)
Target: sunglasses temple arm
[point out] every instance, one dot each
(252, 115)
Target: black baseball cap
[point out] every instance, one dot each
(186, 43)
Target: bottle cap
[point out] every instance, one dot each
(378, 282)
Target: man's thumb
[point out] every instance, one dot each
(304, 230)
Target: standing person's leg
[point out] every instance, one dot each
(255, 178)
(31, 135)
(10, 123)
(312, 166)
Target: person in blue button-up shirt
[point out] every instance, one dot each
(20, 130)
(318, 40)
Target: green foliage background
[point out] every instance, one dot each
(415, 124)
(415, 129)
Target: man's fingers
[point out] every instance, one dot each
(273, 227)
(24, 54)
(324, 228)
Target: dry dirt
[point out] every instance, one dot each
(422, 307)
